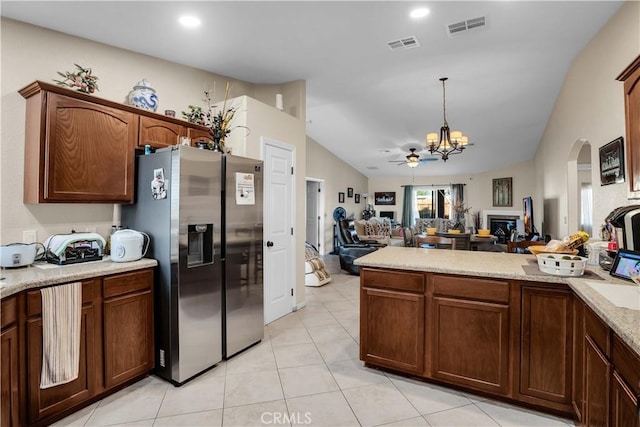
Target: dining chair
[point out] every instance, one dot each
(437, 242)
(514, 246)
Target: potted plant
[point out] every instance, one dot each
(219, 123)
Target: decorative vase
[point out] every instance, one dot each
(218, 145)
(144, 96)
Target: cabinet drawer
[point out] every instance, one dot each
(391, 279)
(121, 284)
(627, 363)
(8, 311)
(471, 288)
(598, 331)
(34, 298)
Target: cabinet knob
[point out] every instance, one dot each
(269, 243)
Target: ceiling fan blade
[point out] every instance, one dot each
(428, 159)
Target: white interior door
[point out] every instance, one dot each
(279, 259)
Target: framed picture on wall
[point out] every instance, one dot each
(340, 197)
(612, 162)
(502, 192)
(385, 198)
(356, 198)
(349, 192)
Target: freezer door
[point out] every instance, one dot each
(244, 310)
(199, 267)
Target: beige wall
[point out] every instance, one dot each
(337, 176)
(478, 193)
(590, 108)
(31, 53)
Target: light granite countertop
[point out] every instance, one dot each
(625, 322)
(39, 274)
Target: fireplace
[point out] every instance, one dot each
(501, 223)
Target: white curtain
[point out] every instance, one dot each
(586, 208)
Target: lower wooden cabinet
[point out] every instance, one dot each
(128, 326)
(624, 404)
(50, 401)
(470, 343)
(10, 365)
(384, 311)
(597, 373)
(546, 344)
(116, 347)
(529, 342)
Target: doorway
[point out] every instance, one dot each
(315, 214)
(279, 255)
(579, 188)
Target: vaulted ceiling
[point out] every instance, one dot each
(367, 103)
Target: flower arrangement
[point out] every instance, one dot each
(460, 210)
(83, 80)
(219, 123)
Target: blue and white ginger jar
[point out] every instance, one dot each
(144, 96)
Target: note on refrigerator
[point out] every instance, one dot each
(245, 189)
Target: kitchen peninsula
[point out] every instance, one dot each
(493, 323)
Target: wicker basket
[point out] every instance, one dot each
(559, 265)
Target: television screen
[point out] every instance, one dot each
(527, 208)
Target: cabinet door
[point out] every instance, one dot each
(631, 78)
(51, 401)
(158, 133)
(471, 343)
(546, 344)
(128, 326)
(392, 329)
(577, 395)
(128, 337)
(596, 385)
(9, 363)
(88, 152)
(198, 135)
(624, 404)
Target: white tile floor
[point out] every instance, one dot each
(305, 372)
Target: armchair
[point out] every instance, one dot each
(351, 247)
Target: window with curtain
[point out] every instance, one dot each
(586, 209)
(433, 202)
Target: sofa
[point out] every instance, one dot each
(351, 247)
(380, 230)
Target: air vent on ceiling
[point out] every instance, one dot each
(466, 26)
(404, 43)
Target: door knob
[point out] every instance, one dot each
(269, 243)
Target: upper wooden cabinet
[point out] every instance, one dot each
(159, 133)
(631, 78)
(80, 148)
(76, 150)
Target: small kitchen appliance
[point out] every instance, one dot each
(128, 245)
(18, 254)
(626, 220)
(63, 249)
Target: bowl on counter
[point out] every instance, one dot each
(562, 264)
(431, 231)
(451, 231)
(483, 232)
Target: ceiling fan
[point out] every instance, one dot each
(413, 159)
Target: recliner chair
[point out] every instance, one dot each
(350, 247)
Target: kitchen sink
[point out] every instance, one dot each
(626, 296)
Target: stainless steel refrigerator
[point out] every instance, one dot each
(178, 199)
(208, 295)
(242, 251)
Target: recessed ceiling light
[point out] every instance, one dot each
(419, 13)
(189, 21)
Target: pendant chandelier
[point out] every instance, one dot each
(449, 142)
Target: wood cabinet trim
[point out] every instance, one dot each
(8, 312)
(627, 363)
(631, 68)
(598, 331)
(122, 284)
(393, 279)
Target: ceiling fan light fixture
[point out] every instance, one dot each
(450, 142)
